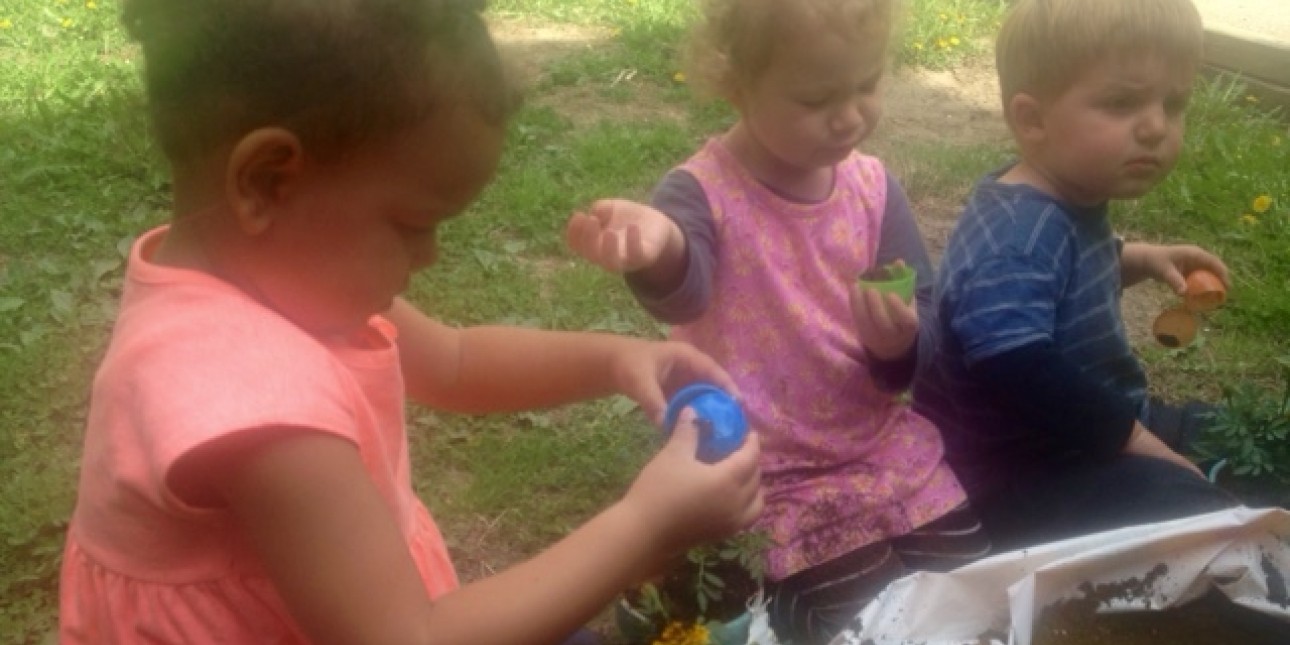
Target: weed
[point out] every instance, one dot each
(1250, 430)
(711, 583)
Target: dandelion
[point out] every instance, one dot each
(91, 4)
(679, 77)
(6, 23)
(1250, 98)
(944, 17)
(66, 23)
(1249, 220)
(954, 40)
(942, 43)
(1261, 204)
(677, 633)
(918, 47)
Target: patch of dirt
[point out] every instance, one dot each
(956, 108)
(624, 95)
(530, 48)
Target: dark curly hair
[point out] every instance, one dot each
(337, 73)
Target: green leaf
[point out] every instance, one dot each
(10, 303)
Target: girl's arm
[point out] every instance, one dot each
(334, 552)
(494, 368)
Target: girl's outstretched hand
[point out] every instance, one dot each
(690, 502)
(620, 236)
(648, 371)
(888, 327)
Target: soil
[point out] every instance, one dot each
(1211, 619)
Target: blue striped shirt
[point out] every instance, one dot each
(1021, 269)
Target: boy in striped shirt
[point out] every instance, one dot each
(1032, 382)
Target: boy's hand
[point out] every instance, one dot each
(648, 370)
(1168, 264)
(622, 236)
(887, 325)
(690, 502)
(1143, 442)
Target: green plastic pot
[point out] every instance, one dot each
(897, 278)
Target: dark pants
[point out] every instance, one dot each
(812, 606)
(1088, 498)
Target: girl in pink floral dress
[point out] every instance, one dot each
(751, 249)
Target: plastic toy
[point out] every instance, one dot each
(722, 426)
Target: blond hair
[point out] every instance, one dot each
(734, 40)
(1044, 45)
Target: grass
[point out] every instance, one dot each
(79, 178)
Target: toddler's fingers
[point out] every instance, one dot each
(704, 366)
(879, 314)
(636, 247)
(603, 210)
(611, 257)
(903, 315)
(583, 234)
(685, 435)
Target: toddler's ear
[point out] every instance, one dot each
(261, 167)
(1026, 118)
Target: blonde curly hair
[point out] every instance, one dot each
(734, 41)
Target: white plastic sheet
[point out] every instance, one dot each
(1244, 552)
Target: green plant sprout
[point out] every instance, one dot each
(1250, 430)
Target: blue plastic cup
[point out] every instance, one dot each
(722, 426)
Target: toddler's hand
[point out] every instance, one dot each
(887, 325)
(622, 236)
(1144, 442)
(647, 370)
(690, 502)
(1171, 264)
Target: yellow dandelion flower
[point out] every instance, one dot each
(941, 42)
(1261, 204)
(679, 77)
(1250, 98)
(943, 17)
(66, 22)
(918, 46)
(91, 4)
(677, 633)
(6, 23)
(1249, 219)
(954, 40)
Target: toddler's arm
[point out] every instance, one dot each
(623, 236)
(337, 557)
(1143, 442)
(888, 328)
(1168, 264)
(494, 368)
